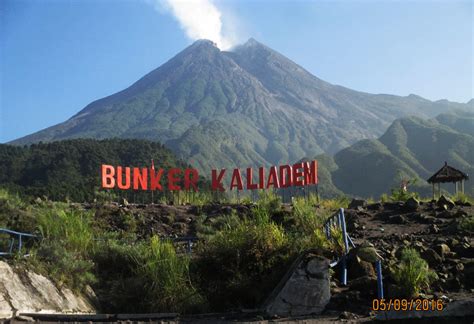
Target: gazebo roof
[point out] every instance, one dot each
(448, 174)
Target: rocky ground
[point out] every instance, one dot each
(432, 228)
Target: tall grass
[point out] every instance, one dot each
(71, 227)
(166, 277)
(67, 245)
(307, 217)
(412, 274)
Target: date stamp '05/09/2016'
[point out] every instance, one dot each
(407, 304)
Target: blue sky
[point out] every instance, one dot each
(58, 56)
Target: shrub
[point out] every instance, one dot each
(412, 274)
(240, 264)
(335, 204)
(64, 266)
(307, 218)
(463, 198)
(401, 195)
(467, 223)
(15, 213)
(315, 240)
(269, 202)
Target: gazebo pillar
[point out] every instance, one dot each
(462, 185)
(439, 189)
(433, 191)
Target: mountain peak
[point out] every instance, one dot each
(251, 42)
(202, 49)
(204, 43)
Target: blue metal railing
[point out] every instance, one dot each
(338, 220)
(15, 236)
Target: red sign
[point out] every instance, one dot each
(299, 174)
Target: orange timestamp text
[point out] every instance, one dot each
(397, 304)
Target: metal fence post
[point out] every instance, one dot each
(378, 264)
(20, 243)
(342, 222)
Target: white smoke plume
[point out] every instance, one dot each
(200, 19)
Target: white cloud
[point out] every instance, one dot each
(200, 19)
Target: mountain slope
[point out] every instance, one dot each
(410, 148)
(246, 107)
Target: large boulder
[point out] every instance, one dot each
(304, 290)
(28, 292)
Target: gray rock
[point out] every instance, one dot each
(367, 252)
(432, 257)
(304, 290)
(412, 203)
(375, 206)
(357, 203)
(442, 250)
(360, 268)
(366, 285)
(468, 272)
(445, 201)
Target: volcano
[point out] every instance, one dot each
(249, 106)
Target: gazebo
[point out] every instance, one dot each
(448, 174)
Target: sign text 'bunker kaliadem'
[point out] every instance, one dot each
(298, 174)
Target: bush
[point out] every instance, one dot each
(413, 273)
(335, 204)
(462, 198)
(268, 205)
(268, 200)
(384, 198)
(65, 267)
(118, 289)
(15, 213)
(402, 195)
(240, 264)
(467, 223)
(306, 218)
